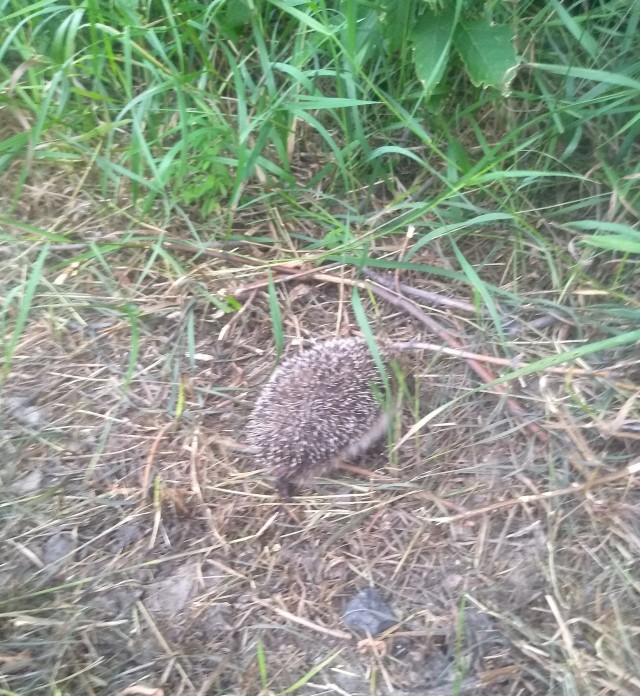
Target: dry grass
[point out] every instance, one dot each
(139, 550)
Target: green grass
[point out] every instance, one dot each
(157, 158)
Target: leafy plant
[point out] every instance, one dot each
(440, 36)
(484, 47)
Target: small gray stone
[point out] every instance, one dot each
(29, 483)
(25, 413)
(125, 536)
(368, 613)
(59, 551)
(170, 597)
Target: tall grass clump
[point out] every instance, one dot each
(466, 118)
(184, 103)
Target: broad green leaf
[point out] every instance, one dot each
(36, 232)
(487, 52)
(368, 35)
(604, 76)
(479, 286)
(398, 21)
(312, 672)
(24, 307)
(262, 665)
(446, 230)
(237, 13)
(363, 322)
(309, 101)
(432, 38)
(394, 150)
(623, 238)
(276, 316)
(614, 242)
(302, 17)
(577, 30)
(606, 226)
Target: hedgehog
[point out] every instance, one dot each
(320, 407)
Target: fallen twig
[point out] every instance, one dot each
(627, 472)
(404, 289)
(505, 362)
(518, 326)
(303, 622)
(512, 328)
(411, 308)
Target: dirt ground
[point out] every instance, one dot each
(140, 553)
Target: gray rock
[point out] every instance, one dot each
(368, 613)
(59, 551)
(170, 596)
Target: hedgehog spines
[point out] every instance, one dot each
(319, 407)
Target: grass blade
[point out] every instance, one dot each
(24, 308)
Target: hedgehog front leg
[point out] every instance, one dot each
(286, 488)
